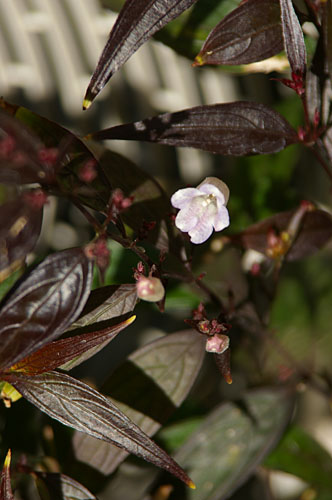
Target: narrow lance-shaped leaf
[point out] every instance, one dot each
(236, 128)
(62, 351)
(6, 492)
(77, 405)
(136, 23)
(293, 38)
(44, 304)
(250, 33)
(148, 388)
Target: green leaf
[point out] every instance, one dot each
(148, 387)
(301, 455)
(232, 441)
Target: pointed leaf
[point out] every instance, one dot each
(55, 486)
(293, 38)
(237, 129)
(79, 406)
(107, 302)
(148, 387)
(250, 33)
(314, 232)
(233, 440)
(44, 304)
(6, 492)
(136, 23)
(63, 351)
(20, 225)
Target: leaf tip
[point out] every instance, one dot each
(228, 378)
(191, 484)
(130, 320)
(8, 459)
(199, 61)
(87, 101)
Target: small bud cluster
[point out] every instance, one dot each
(118, 204)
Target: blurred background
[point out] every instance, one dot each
(48, 51)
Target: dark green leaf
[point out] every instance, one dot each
(136, 23)
(44, 304)
(148, 387)
(232, 441)
(237, 129)
(64, 352)
(250, 33)
(79, 406)
(299, 454)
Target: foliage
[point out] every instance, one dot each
(52, 321)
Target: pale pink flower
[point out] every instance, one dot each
(202, 209)
(150, 289)
(217, 343)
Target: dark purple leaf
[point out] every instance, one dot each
(20, 224)
(6, 492)
(79, 406)
(55, 486)
(137, 22)
(250, 33)
(237, 129)
(314, 232)
(293, 38)
(19, 161)
(61, 352)
(148, 387)
(44, 304)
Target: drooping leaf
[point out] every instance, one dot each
(314, 232)
(137, 22)
(20, 225)
(62, 352)
(148, 387)
(237, 129)
(250, 33)
(44, 304)
(77, 405)
(301, 455)
(233, 440)
(6, 492)
(55, 486)
(293, 38)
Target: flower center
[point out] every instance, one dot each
(209, 198)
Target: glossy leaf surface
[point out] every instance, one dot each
(63, 351)
(137, 22)
(44, 304)
(54, 486)
(293, 38)
(6, 492)
(300, 454)
(237, 129)
(77, 405)
(250, 33)
(232, 441)
(20, 225)
(148, 387)
(314, 233)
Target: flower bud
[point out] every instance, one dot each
(150, 289)
(217, 343)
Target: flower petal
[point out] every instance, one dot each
(218, 184)
(186, 219)
(202, 231)
(221, 219)
(183, 196)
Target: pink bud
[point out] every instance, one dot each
(150, 289)
(217, 343)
